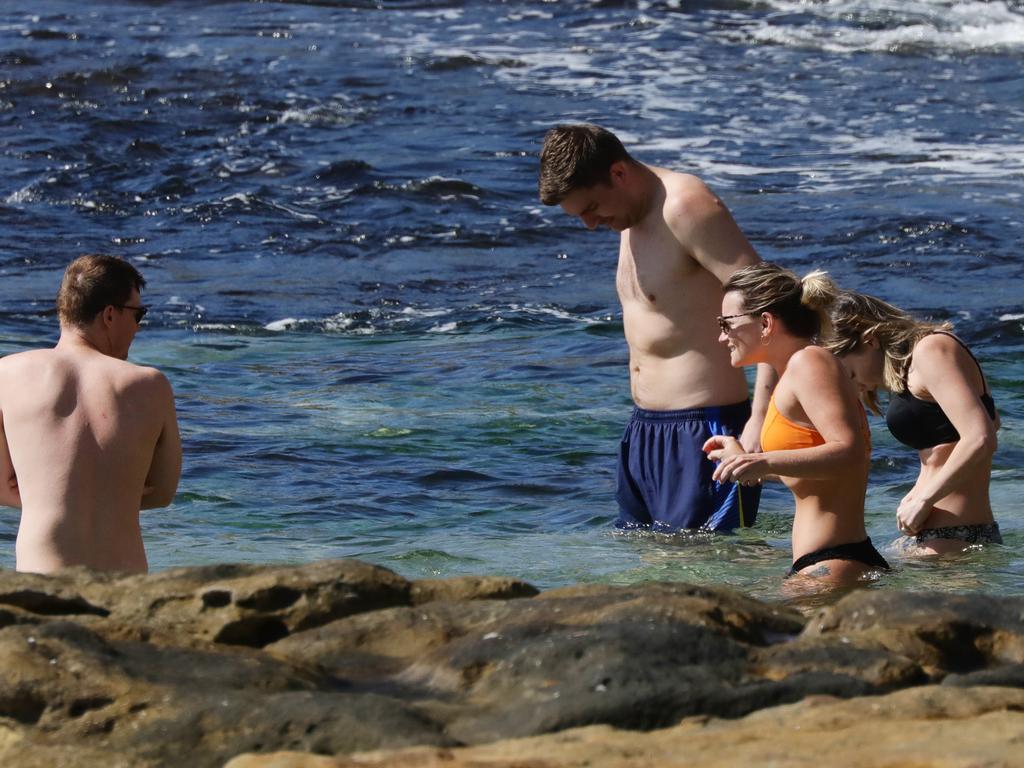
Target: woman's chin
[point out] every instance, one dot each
(736, 360)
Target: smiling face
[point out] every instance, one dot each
(865, 365)
(740, 331)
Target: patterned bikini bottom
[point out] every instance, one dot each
(983, 533)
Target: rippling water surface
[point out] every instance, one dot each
(384, 347)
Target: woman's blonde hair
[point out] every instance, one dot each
(856, 316)
(800, 303)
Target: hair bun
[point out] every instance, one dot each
(817, 290)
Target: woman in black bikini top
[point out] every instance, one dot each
(939, 404)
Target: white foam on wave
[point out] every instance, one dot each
(284, 324)
(339, 322)
(23, 195)
(443, 328)
(878, 26)
(556, 312)
(994, 160)
(378, 320)
(1010, 318)
(416, 312)
(184, 51)
(338, 111)
(870, 157)
(439, 14)
(215, 327)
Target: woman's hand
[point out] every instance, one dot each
(744, 468)
(720, 446)
(912, 514)
(734, 464)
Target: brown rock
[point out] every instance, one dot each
(470, 588)
(942, 633)
(194, 666)
(252, 605)
(927, 726)
(245, 605)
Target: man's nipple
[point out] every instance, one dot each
(651, 297)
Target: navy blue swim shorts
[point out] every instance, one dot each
(664, 478)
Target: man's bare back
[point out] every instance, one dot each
(82, 429)
(86, 441)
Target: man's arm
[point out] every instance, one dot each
(10, 495)
(165, 468)
(764, 385)
(705, 228)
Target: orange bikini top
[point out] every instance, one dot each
(781, 434)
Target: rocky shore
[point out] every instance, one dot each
(340, 663)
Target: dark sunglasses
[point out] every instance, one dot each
(723, 320)
(140, 311)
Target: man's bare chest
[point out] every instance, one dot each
(653, 270)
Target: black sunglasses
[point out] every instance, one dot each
(140, 311)
(724, 324)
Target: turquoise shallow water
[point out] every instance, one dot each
(478, 453)
(383, 346)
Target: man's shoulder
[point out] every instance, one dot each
(142, 374)
(684, 187)
(125, 377)
(25, 355)
(689, 203)
(17, 362)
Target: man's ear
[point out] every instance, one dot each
(108, 314)
(617, 172)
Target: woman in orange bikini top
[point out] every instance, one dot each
(780, 434)
(815, 436)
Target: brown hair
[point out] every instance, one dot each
(800, 303)
(575, 157)
(92, 283)
(855, 316)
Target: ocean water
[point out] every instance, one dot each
(384, 347)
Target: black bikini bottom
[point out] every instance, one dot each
(861, 552)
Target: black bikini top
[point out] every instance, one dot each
(922, 424)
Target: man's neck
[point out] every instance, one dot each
(80, 340)
(650, 192)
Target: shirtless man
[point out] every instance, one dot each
(86, 438)
(678, 246)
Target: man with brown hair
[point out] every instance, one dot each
(678, 246)
(87, 439)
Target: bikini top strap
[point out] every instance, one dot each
(984, 381)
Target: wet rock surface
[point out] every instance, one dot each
(344, 663)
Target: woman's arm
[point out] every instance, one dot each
(947, 372)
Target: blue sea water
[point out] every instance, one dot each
(384, 347)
